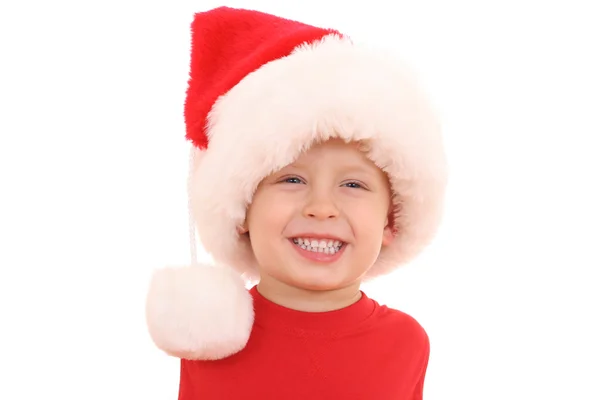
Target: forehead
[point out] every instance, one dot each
(337, 152)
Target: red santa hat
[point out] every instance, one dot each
(262, 89)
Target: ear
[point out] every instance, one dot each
(389, 232)
(388, 236)
(243, 228)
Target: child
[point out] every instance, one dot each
(316, 164)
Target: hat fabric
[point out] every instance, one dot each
(262, 90)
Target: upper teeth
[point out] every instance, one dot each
(320, 245)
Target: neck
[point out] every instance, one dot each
(308, 299)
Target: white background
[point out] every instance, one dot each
(93, 164)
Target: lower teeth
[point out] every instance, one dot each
(326, 250)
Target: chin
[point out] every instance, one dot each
(320, 283)
(317, 287)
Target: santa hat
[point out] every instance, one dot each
(262, 89)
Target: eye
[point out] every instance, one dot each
(291, 179)
(355, 185)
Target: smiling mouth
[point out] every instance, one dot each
(325, 246)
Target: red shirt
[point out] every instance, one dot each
(364, 351)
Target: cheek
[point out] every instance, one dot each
(370, 212)
(267, 215)
(370, 224)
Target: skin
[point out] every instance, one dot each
(331, 189)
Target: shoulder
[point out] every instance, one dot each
(401, 326)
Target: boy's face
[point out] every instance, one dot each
(333, 193)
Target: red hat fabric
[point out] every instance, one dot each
(227, 45)
(263, 89)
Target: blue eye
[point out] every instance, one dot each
(292, 179)
(354, 185)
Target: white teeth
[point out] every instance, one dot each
(319, 246)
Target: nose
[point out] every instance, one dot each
(321, 206)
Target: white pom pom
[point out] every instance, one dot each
(199, 312)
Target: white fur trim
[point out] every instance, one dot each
(199, 313)
(331, 88)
